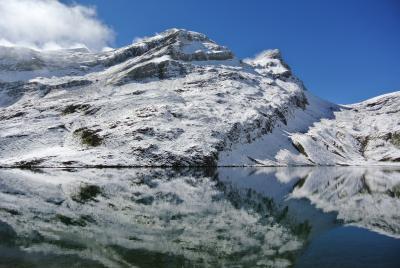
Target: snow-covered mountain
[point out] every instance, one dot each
(179, 99)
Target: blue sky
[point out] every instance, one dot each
(344, 51)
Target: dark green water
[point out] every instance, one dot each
(227, 217)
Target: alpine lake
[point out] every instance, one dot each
(196, 217)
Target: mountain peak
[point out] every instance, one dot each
(186, 34)
(268, 55)
(270, 62)
(176, 34)
(182, 44)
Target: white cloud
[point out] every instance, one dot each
(50, 24)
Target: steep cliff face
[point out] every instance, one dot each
(175, 99)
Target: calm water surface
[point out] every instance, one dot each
(227, 217)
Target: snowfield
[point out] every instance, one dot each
(179, 99)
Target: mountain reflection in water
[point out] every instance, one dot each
(242, 217)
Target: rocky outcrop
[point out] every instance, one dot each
(270, 62)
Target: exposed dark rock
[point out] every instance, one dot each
(89, 137)
(73, 108)
(169, 197)
(161, 70)
(395, 139)
(147, 200)
(87, 193)
(10, 211)
(29, 163)
(299, 148)
(395, 191)
(70, 221)
(11, 116)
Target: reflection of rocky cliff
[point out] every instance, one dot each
(120, 218)
(365, 197)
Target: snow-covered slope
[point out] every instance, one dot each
(177, 98)
(366, 133)
(360, 134)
